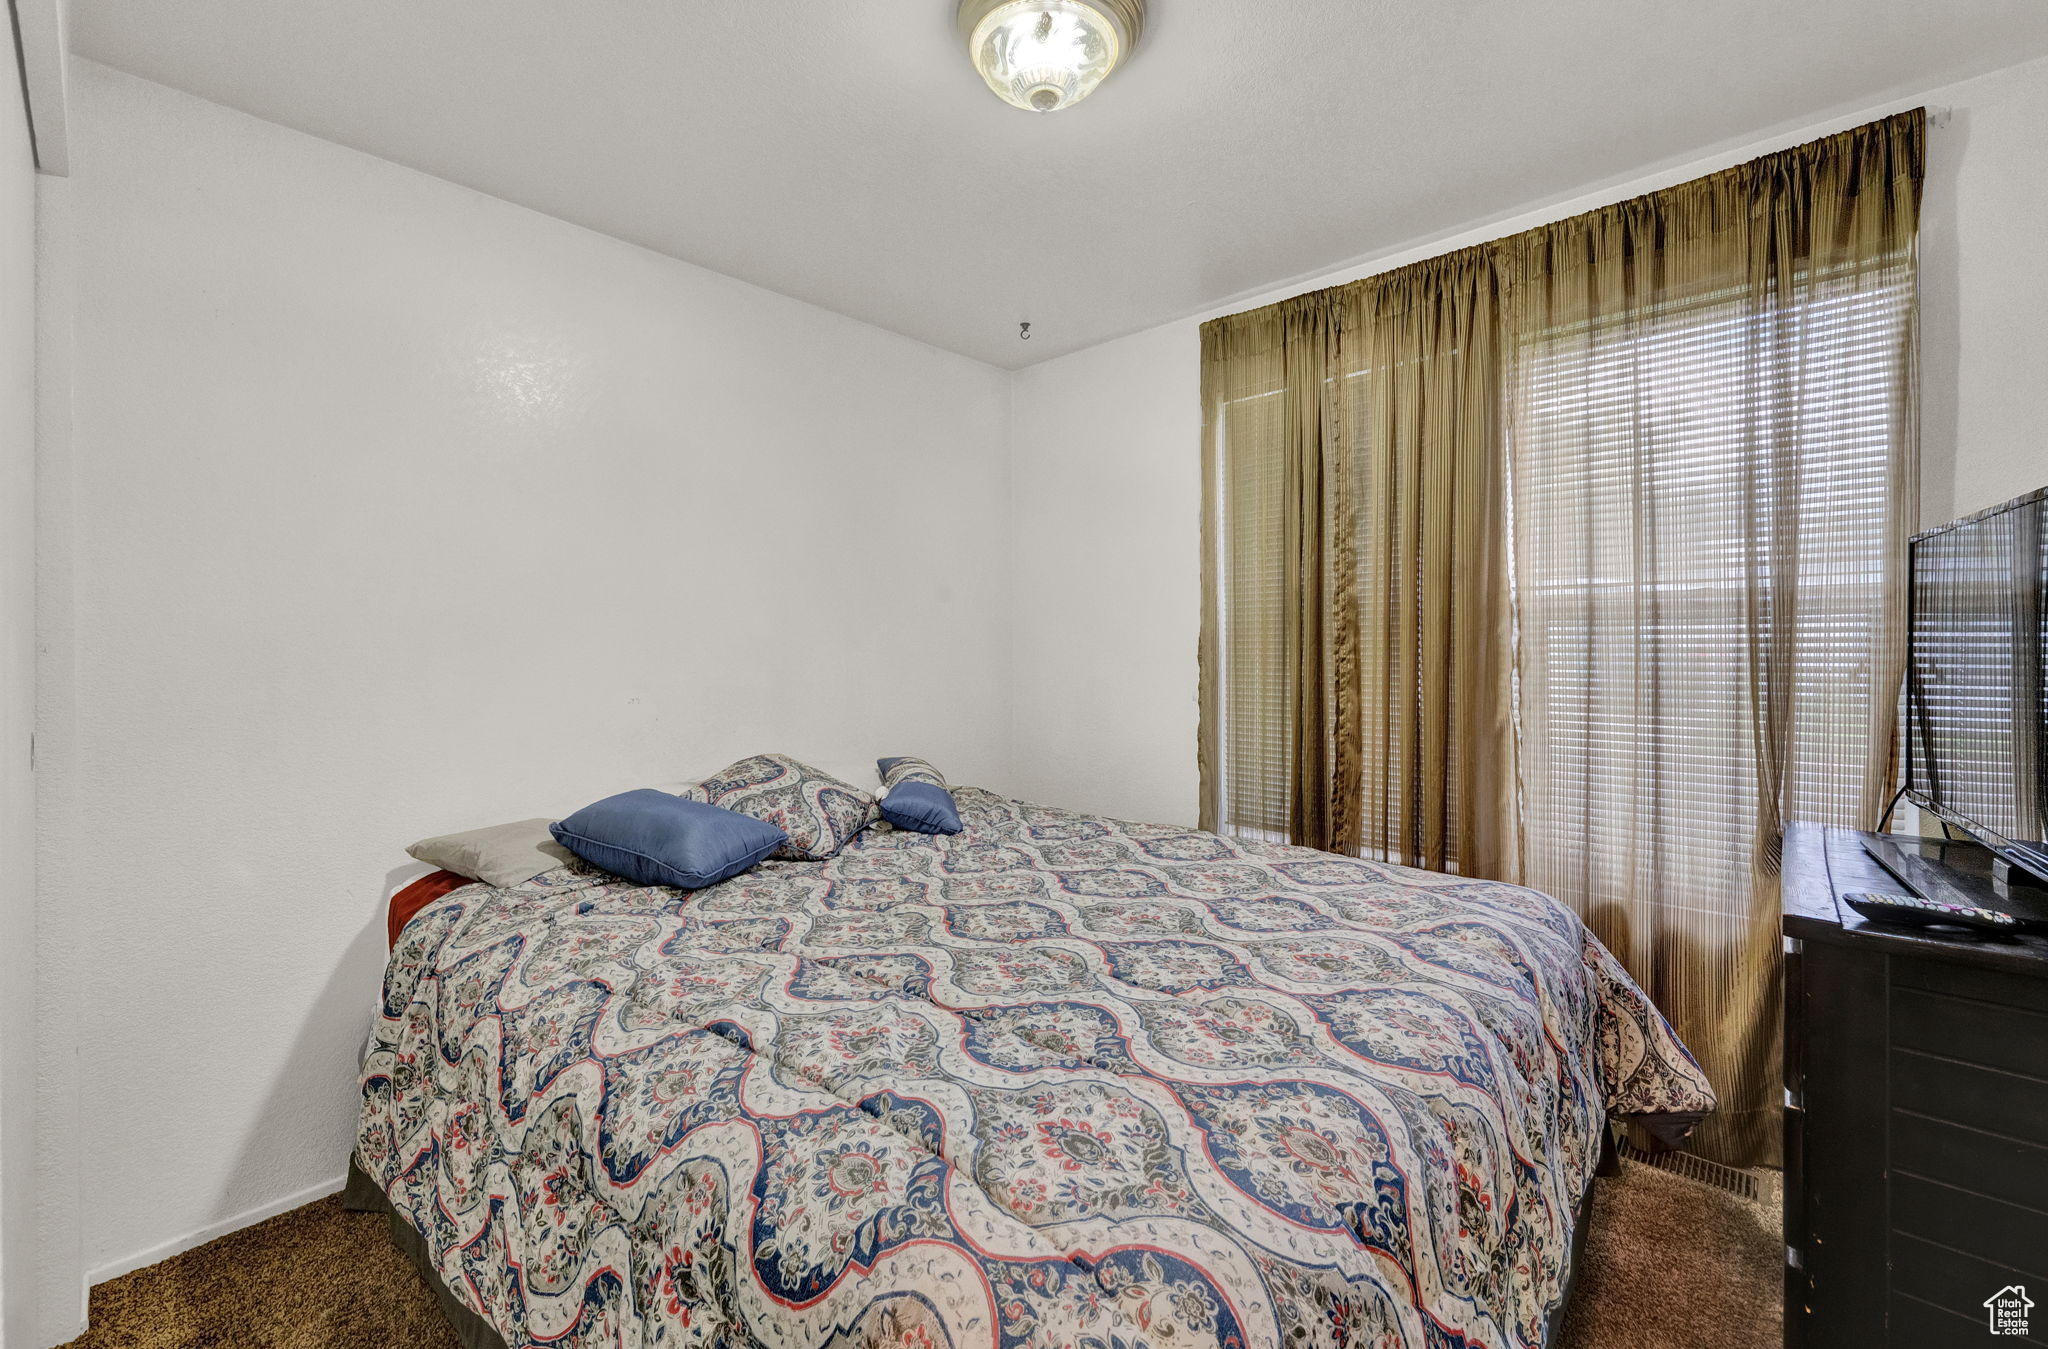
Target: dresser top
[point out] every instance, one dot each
(1822, 863)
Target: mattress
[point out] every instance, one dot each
(1054, 1080)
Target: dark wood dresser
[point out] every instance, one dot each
(1916, 1121)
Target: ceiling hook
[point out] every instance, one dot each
(1024, 332)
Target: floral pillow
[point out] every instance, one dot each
(895, 772)
(818, 811)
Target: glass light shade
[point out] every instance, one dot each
(1044, 55)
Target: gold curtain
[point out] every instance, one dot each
(1438, 778)
(1355, 645)
(1576, 559)
(1712, 400)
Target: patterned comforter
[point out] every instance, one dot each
(1056, 1080)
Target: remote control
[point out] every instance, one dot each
(1918, 912)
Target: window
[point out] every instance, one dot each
(1678, 475)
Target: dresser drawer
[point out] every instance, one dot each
(1969, 1160)
(1956, 1092)
(1979, 1225)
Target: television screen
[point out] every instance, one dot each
(1976, 696)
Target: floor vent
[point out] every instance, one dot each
(1742, 1184)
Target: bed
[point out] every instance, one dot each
(1056, 1080)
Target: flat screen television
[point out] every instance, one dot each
(1976, 686)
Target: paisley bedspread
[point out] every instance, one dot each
(1056, 1080)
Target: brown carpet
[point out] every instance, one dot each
(1674, 1264)
(1670, 1264)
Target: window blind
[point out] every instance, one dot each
(1648, 541)
(1257, 679)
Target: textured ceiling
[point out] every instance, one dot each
(844, 152)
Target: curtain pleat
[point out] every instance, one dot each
(1321, 629)
(1437, 764)
(1577, 559)
(1356, 630)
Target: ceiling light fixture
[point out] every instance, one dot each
(1044, 55)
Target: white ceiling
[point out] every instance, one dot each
(844, 152)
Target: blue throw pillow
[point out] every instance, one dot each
(922, 807)
(917, 798)
(658, 839)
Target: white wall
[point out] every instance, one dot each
(389, 508)
(1984, 295)
(1106, 493)
(17, 714)
(61, 964)
(1106, 467)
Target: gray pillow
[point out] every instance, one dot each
(504, 854)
